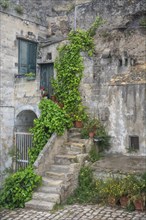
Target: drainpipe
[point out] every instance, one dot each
(75, 18)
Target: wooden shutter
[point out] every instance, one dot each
(27, 56)
(47, 72)
(22, 60)
(49, 78)
(32, 52)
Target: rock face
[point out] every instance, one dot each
(113, 86)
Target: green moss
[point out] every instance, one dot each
(19, 9)
(4, 4)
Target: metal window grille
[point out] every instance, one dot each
(134, 142)
(23, 141)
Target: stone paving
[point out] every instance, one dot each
(75, 212)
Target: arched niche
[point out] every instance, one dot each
(24, 120)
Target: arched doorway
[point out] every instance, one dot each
(23, 138)
(24, 121)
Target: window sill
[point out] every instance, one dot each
(19, 76)
(30, 78)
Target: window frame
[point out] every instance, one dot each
(30, 52)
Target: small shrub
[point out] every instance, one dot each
(143, 22)
(130, 207)
(94, 155)
(19, 9)
(4, 4)
(109, 189)
(86, 191)
(103, 138)
(18, 188)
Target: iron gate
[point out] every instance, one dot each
(23, 141)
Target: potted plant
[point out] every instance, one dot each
(30, 76)
(125, 187)
(102, 139)
(92, 125)
(78, 123)
(79, 116)
(138, 194)
(109, 191)
(133, 187)
(139, 201)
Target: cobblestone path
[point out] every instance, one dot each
(75, 212)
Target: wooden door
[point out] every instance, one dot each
(47, 73)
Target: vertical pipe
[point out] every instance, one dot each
(75, 18)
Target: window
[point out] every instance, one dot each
(27, 51)
(134, 142)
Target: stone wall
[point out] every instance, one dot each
(16, 94)
(46, 156)
(113, 86)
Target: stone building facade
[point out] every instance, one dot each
(114, 83)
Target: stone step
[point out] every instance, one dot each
(49, 189)
(77, 140)
(50, 182)
(55, 175)
(60, 176)
(39, 205)
(65, 159)
(72, 130)
(75, 148)
(59, 168)
(48, 197)
(74, 135)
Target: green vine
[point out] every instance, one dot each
(69, 66)
(52, 119)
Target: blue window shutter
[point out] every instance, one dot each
(22, 57)
(32, 52)
(27, 56)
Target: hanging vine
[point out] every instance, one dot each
(69, 66)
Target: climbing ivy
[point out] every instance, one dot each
(52, 119)
(69, 66)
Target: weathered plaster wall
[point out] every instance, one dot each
(115, 91)
(16, 94)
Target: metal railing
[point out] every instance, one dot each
(23, 142)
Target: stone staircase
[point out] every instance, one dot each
(61, 178)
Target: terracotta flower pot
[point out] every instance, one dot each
(112, 201)
(139, 204)
(124, 201)
(53, 98)
(78, 124)
(91, 134)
